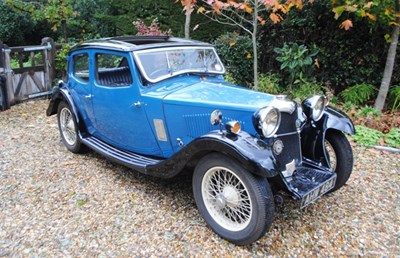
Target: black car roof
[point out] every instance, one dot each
(132, 43)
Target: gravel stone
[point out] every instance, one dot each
(55, 203)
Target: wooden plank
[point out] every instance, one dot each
(26, 48)
(37, 82)
(19, 86)
(39, 68)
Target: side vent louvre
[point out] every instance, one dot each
(199, 124)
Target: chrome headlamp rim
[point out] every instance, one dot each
(262, 121)
(314, 106)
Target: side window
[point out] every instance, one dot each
(81, 67)
(112, 70)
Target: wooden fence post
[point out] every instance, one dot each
(1, 55)
(50, 63)
(9, 77)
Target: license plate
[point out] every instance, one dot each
(318, 192)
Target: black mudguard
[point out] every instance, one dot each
(313, 133)
(61, 93)
(253, 154)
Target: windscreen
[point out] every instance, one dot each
(159, 64)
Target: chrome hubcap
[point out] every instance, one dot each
(226, 198)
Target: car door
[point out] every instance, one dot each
(80, 87)
(120, 118)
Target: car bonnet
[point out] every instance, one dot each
(221, 95)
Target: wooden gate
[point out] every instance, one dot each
(28, 70)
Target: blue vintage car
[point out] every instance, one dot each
(160, 104)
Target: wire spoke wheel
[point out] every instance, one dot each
(67, 126)
(236, 204)
(227, 198)
(332, 159)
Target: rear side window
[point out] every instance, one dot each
(112, 70)
(81, 67)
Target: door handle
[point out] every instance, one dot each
(88, 96)
(137, 104)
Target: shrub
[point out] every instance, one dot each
(269, 83)
(61, 61)
(394, 97)
(296, 60)
(368, 111)
(393, 138)
(367, 136)
(358, 94)
(305, 89)
(153, 29)
(236, 53)
(229, 78)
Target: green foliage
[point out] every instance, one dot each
(269, 83)
(14, 26)
(236, 53)
(228, 78)
(367, 136)
(393, 138)
(394, 97)
(61, 61)
(305, 89)
(369, 111)
(80, 202)
(296, 60)
(358, 94)
(347, 106)
(344, 58)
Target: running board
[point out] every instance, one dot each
(126, 158)
(308, 184)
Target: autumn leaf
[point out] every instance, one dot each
(338, 11)
(370, 16)
(248, 9)
(347, 24)
(368, 5)
(275, 18)
(232, 43)
(316, 63)
(248, 55)
(201, 9)
(263, 22)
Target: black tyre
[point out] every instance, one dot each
(340, 157)
(237, 205)
(69, 128)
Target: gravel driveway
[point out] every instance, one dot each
(54, 203)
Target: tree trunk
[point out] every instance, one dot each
(64, 30)
(387, 74)
(255, 54)
(187, 26)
